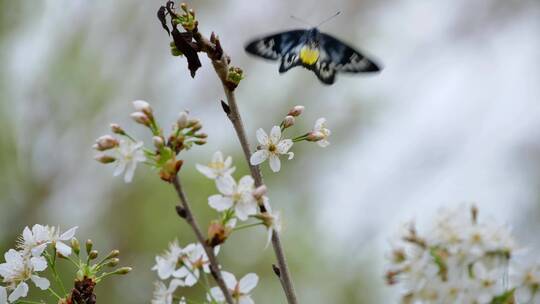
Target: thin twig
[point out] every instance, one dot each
(220, 61)
(190, 219)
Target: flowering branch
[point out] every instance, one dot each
(230, 77)
(184, 211)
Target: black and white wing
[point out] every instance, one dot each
(346, 59)
(285, 46)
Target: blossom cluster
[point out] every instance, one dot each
(272, 147)
(461, 260)
(184, 267)
(126, 152)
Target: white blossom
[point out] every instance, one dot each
(20, 267)
(239, 289)
(164, 294)
(271, 147)
(36, 240)
(460, 260)
(218, 167)
(166, 264)
(3, 295)
(320, 128)
(238, 195)
(128, 154)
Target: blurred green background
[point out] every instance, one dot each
(453, 118)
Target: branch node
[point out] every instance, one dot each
(181, 211)
(277, 271)
(226, 108)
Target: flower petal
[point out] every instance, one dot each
(319, 124)
(68, 235)
(245, 299)
(206, 171)
(258, 157)
(219, 202)
(243, 210)
(41, 283)
(120, 167)
(323, 143)
(63, 249)
(20, 292)
(216, 294)
(262, 137)
(246, 183)
(130, 171)
(248, 282)
(284, 146)
(275, 163)
(3, 295)
(226, 185)
(38, 263)
(38, 250)
(217, 157)
(275, 134)
(230, 279)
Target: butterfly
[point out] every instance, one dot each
(314, 50)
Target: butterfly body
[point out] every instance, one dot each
(314, 50)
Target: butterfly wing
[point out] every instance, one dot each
(284, 46)
(343, 58)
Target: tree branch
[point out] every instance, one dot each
(186, 213)
(220, 61)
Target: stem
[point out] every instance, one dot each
(221, 66)
(190, 219)
(240, 227)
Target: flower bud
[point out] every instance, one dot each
(182, 120)
(113, 254)
(196, 127)
(143, 106)
(217, 233)
(123, 270)
(200, 142)
(296, 111)
(201, 135)
(76, 246)
(113, 262)
(259, 192)
(93, 255)
(158, 142)
(89, 245)
(116, 129)
(315, 136)
(288, 121)
(105, 142)
(192, 122)
(141, 118)
(104, 159)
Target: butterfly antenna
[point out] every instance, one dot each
(301, 21)
(329, 18)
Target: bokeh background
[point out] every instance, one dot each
(453, 119)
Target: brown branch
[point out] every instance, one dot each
(185, 212)
(220, 61)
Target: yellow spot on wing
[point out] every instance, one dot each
(308, 55)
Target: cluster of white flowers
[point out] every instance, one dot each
(25, 262)
(461, 260)
(272, 147)
(183, 267)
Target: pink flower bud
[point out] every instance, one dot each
(158, 142)
(117, 129)
(296, 111)
(105, 142)
(141, 118)
(143, 106)
(288, 121)
(182, 120)
(315, 136)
